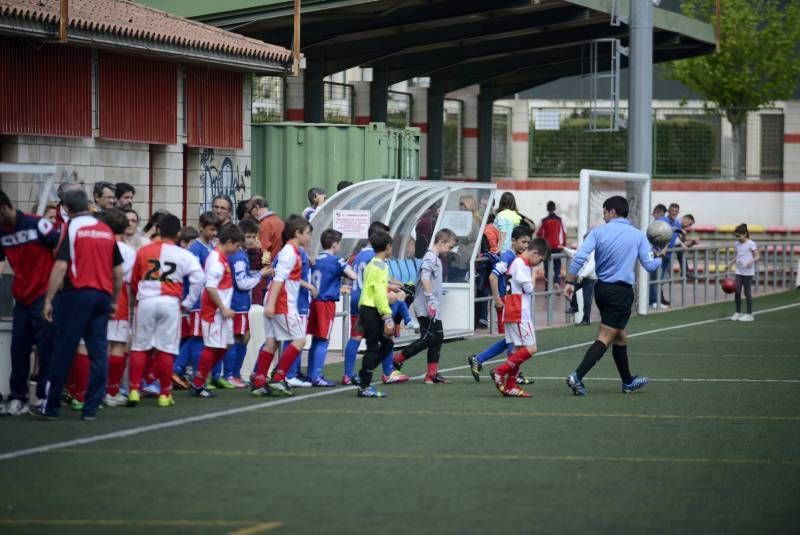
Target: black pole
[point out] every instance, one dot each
(313, 97)
(379, 95)
(435, 129)
(485, 124)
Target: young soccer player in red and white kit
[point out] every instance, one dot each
(518, 318)
(216, 315)
(157, 282)
(119, 329)
(282, 320)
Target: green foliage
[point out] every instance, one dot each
(758, 60)
(683, 147)
(451, 147)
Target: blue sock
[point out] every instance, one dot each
(403, 310)
(179, 365)
(311, 359)
(492, 351)
(216, 371)
(195, 348)
(241, 354)
(350, 353)
(510, 349)
(320, 353)
(229, 360)
(388, 362)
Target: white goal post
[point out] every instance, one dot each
(596, 187)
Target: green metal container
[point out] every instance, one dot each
(290, 158)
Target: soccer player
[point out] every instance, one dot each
(26, 244)
(520, 239)
(89, 266)
(282, 319)
(616, 245)
(243, 282)
(375, 313)
(427, 307)
(190, 324)
(327, 277)
(307, 291)
(157, 283)
(119, 329)
(216, 315)
(518, 317)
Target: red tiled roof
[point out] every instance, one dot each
(124, 18)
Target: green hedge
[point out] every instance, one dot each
(683, 147)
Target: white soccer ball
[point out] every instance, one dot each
(659, 233)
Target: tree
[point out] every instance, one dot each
(758, 61)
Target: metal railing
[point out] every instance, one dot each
(339, 103)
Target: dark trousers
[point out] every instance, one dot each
(556, 269)
(587, 285)
(29, 328)
(431, 336)
(378, 344)
(744, 282)
(80, 314)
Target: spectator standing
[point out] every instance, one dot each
(134, 237)
(316, 198)
(222, 206)
(666, 262)
(104, 195)
(509, 217)
(89, 265)
(552, 230)
(270, 227)
(124, 193)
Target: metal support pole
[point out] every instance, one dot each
(435, 129)
(379, 96)
(640, 128)
(313, 97)
(485, 113)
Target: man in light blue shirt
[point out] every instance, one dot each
(617, 246)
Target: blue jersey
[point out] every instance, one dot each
(359, 265)
(501, 268)
(304, 296)
(201, 251)
(244, 280)
(327, 276)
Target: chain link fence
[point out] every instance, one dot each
(452, 144)
(687, 143)
(339, 106)
(501, 141)
(268, 99)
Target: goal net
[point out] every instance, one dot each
(595, 188)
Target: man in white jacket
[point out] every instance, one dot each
(585, 281)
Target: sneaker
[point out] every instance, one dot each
(475, 368)
(281, 388)
(413, 326)
(369, 392)
(179, 383)
(351, 380)
(736, 316)
(434, 379)
(75, 405)
(397, 365)
(637, 383)
(747, 317)
(322, 382)
(152, 390)
(117, 400)
(395, 378)
(236, 382)
(497, 379)
(577, 386)
(297, 382)
(16, 407)
(516, 392)
(261, 391)
(166, 401)
(584, 323)
(522, 380)
(221, 382)
(133, 398)
(201, 392)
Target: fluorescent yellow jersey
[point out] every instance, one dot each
(376, 287)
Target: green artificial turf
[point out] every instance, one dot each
(710, 446)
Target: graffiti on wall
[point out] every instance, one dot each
(225, 178)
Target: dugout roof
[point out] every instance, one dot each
(506, 46)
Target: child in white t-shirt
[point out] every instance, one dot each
(745, 259)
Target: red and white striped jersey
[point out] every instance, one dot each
(128, 260)
(519, 302)
(218, 275)
(160, 268)
(289, 270)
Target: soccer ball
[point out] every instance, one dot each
(728, 286)
(659, 233)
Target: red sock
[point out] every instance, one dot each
(287, 359)
(163, 366)
(148, 370)
(81, 365)
(263, 363)
(116, 367)
(511, 379)
(519, 356)
(136, 364)
(433, 368)
(208, 358)
(399, 357)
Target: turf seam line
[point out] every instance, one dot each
(250, 408)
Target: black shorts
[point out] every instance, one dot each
(614, 300)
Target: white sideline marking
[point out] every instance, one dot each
(250, 408)
(656, 380)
